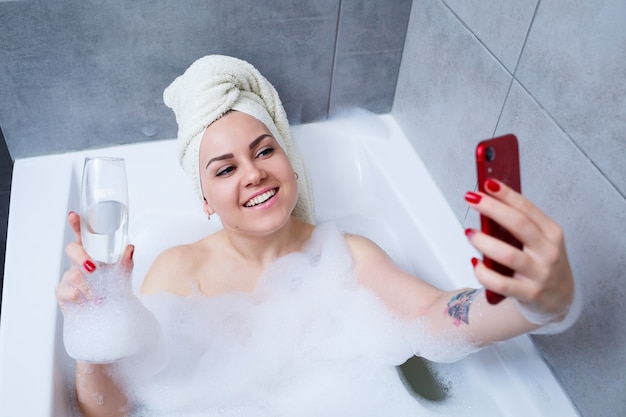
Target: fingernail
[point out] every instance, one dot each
(469, 233)
(70, 213)
(474, 262)
(89, 266)
(472, 197)
(492, 185)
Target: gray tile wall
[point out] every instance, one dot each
(84, 74)
(554, 73)
(6, 170)
(368, 54)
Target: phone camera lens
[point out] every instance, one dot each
(490, 155)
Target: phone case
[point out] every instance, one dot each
(498, 158)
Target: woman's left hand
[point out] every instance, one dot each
(543, 282)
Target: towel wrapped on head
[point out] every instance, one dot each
(212, 86)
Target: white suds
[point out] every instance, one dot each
(309, 341)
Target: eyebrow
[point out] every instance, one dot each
(257, 140)
(230, 155)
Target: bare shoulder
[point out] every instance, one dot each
(407, 294)
(172, 270)
(365, 252)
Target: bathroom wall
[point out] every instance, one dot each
(6, 171)
(554, 73)
(85, 74)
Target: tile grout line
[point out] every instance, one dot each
(519, 58)
(334, 61)
(549, 115)
(406, 36)
(484, 46)
(572, 141)
(471, 32)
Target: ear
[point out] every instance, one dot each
(208, 210)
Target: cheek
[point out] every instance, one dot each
(291, 179)
(208, 190)
(204, 187)
(219, 192)
(286, 167)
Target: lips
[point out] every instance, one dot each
(261, 198)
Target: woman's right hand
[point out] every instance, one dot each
(74, 288)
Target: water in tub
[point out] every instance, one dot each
(309, 341)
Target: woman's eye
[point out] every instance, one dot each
(225, 171)
(265, 152)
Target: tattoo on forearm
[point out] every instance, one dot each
(459, 305)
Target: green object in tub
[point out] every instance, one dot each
(419, 380)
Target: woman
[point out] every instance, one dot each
(236, 147)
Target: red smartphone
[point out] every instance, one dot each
(498, 158)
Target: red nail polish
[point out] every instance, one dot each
(89, 266)
(472, 197)
(492, 185)
(474, 262)
(469, 233)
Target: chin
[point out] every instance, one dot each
(272, 224)
(259, 224)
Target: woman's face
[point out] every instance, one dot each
(245, 175)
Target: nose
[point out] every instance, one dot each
(253, 174)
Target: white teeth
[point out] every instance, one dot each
(261, 198)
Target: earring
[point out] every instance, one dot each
(208, 216)
(296, 175)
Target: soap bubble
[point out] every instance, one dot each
(308, 341)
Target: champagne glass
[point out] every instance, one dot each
(104, 208)
(113, 326)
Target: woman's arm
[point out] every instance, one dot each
(463, 311)
(97, 394)
(480, 323)
(541, 289)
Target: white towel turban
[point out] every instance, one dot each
(209, 88)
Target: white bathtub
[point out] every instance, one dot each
(366, 176)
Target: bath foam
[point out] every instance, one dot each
(112, 325)
(308, 341)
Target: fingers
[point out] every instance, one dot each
(126, 262)
(522, 205)
(502, 253)
(521, 287)
(512, 219)
(538, 233)
(73, 289)
(74, 221)
(77, 255)
(543, 276)
(75, 250)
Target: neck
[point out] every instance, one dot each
(262, 250)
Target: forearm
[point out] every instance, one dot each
(467, 311)
(97, 393)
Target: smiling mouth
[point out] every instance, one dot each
(261, 198)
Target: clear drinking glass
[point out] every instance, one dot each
(104, 208)
(114, 324)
